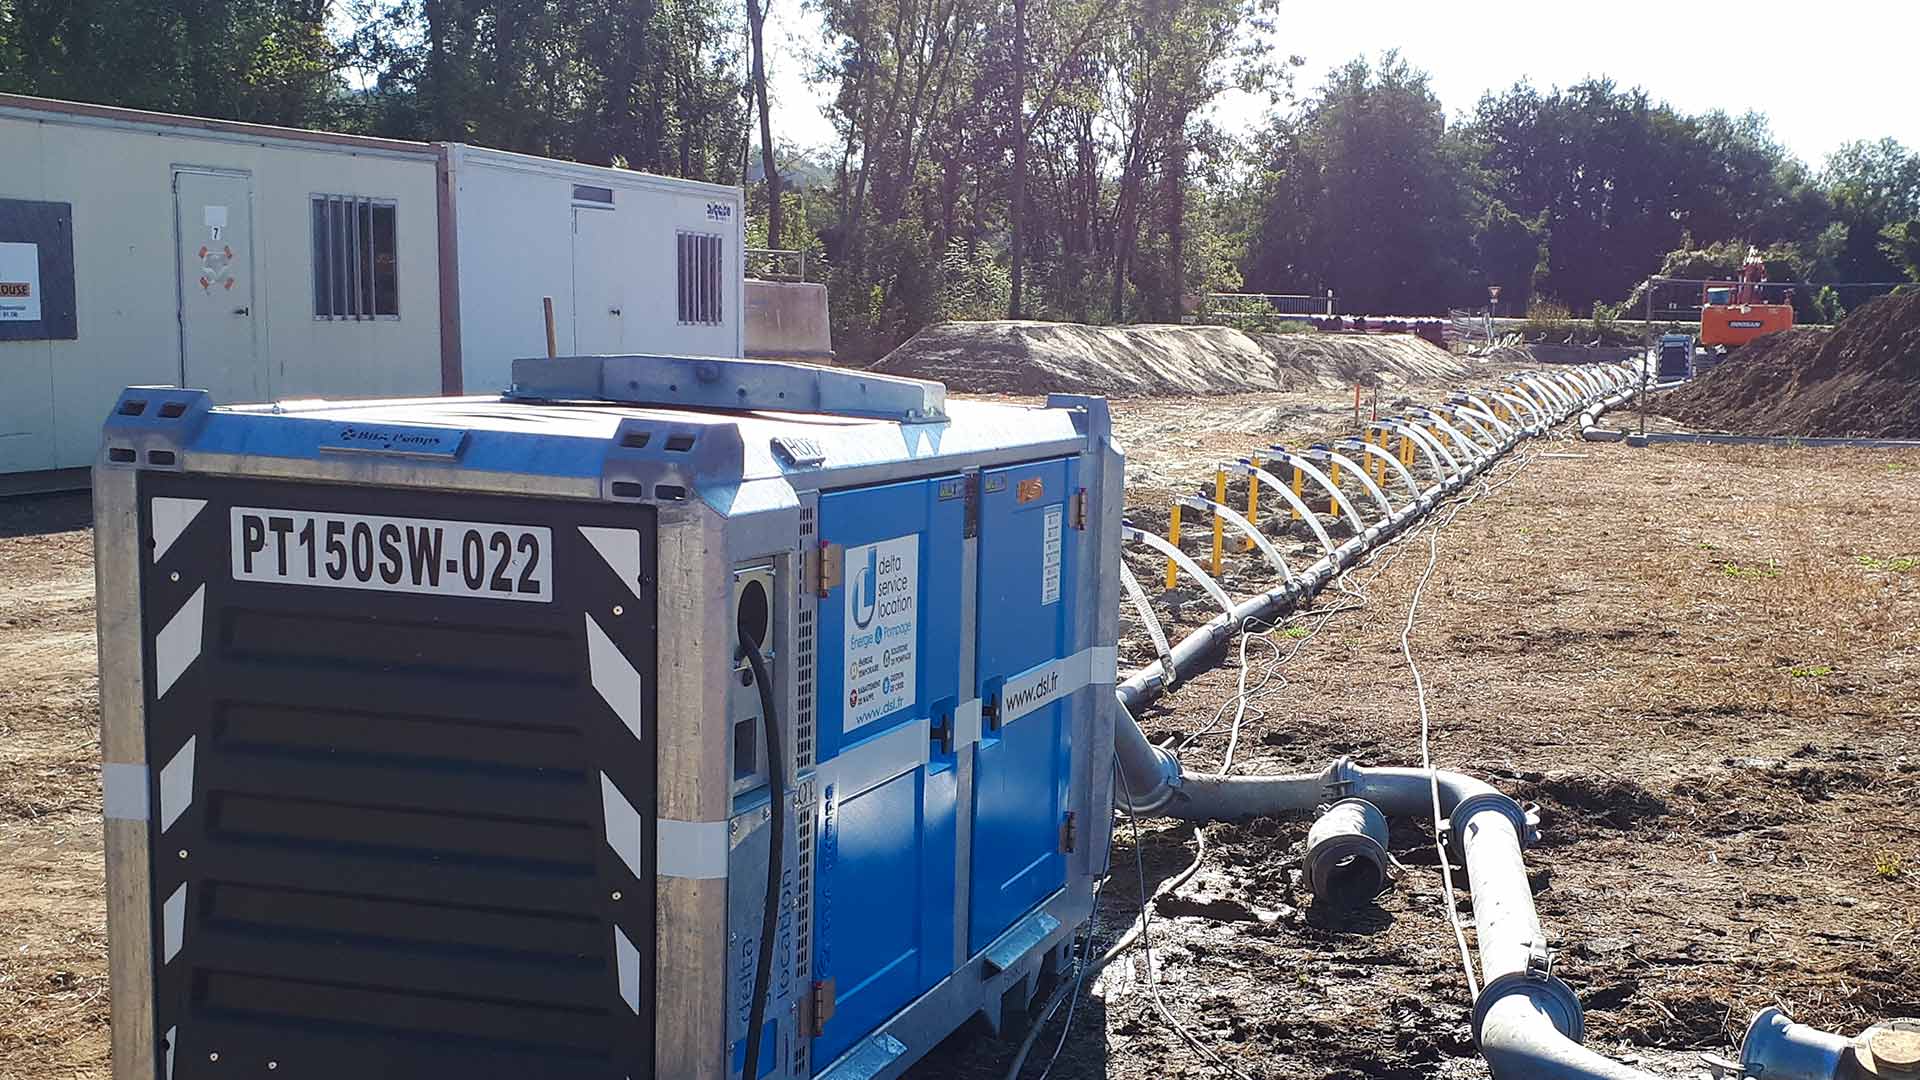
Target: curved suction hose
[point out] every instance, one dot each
(1439, 459)
(1246, 528)
(1306, 466)
(1528, 1022)
(1392, 462)
(1373, 490)
(1276, 485)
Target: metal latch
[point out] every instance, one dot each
(832, 564)
(1077, 509)
(1069, 834)
(823, 1004)
(1539, 960)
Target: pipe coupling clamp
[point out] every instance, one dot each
(1526, 825)
(1547, 992)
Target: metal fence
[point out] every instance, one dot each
(777, 264)
(1257, 308)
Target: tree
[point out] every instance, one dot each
(756, 19)
(1368, 194)
(1874, 186)
(1901, 243)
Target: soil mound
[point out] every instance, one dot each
(1862, 378)
(1043, 357)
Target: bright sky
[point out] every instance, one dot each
(1823, 73)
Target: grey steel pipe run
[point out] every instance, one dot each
(1529, 1023)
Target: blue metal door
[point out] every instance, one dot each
(1024, 675)
(887, 679)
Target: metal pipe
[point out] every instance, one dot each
(1528, 1022)
(1776, 1048)
(1346, 860)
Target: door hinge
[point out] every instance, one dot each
(971, 527)
(829, 564)
(1077, 509)
(1069, 834)
(821, 1003)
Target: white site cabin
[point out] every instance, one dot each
(263, 263)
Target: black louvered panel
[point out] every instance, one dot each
(395, 862)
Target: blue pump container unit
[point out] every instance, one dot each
(657, 714)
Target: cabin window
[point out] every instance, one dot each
(355, 267)
(701, 262)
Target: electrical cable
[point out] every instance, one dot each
(1146, 936)
(776, 857)
(1426, 726)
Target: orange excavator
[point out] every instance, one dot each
(1734, 312)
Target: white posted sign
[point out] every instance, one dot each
(19, 282)
(882, 586)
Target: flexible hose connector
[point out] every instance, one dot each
(1346, 863)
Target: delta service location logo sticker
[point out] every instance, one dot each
(882, 608)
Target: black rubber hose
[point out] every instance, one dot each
(776, 859)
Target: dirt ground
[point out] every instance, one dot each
(1702, 662)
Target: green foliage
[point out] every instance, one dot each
(1735, 570)
(1548, 320)
(1131, 203)
(1826, 306)
(1889, 866)
(972, 287)
(1898, 564)
(1810, 671)
(1900, 242)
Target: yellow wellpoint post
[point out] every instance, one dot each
(1299, 486)
(1173, 537)
(1219, 526)
(1253, 500)
(1333, 501)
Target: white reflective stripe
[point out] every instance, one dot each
(1045, 683)
(1103, 665)
(966, 723)
(177, 645)
(614, 676)
(883, 757)
(176, 785)
(172, 1041)
(623, 825)
(691, 849)
(620, 549)
(170, 518)
(124, 791)
(173, 923)
(627, 959)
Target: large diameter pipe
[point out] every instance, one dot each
(1776, 1048)
(1521, 1039)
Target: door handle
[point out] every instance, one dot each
(240, 311)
